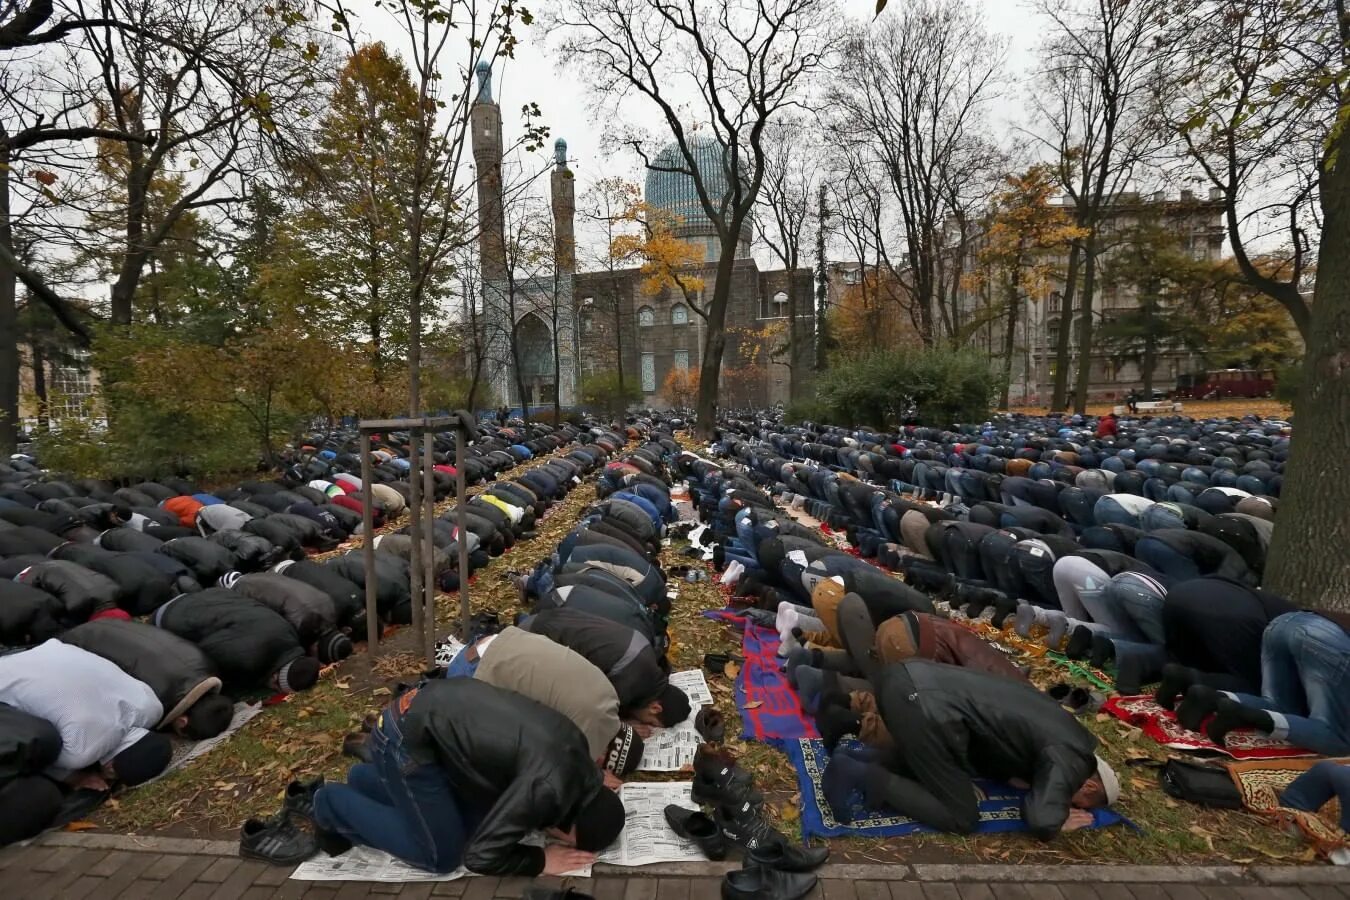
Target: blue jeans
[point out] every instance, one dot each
(460, 667)
(1305, 682)
(1107, 511)
(397, 805)
(1314, 789)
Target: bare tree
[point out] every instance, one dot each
(791, 176)
(914, 96)
(1259, 152)
(1100, 70)
(608, 204)
(748, 64)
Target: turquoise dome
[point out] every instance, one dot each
(675, 191)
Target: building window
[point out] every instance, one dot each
(679, 314)
(649, 373)
(646, 317)
(587, 322)
(780, 304)
(682, 360)
(69, 394)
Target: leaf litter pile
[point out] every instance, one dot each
(246, 776)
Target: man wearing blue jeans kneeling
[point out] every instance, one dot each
(460, 773)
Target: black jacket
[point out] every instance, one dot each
(348, 600)
(143, 588)
(207, 559)
(81, 592)
(526, 764)
(993, 727)
(309, 610)
(177, 670)
(28, 615)
(245, 640)
(623, 654)
(27, 744)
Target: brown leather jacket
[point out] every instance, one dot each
(942, 641)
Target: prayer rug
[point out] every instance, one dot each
(1000, 805)
(1262, 781)
(1161, 725)
(770, 709)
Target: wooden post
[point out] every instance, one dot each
(465, 611)
(429, 544)
(415, 532)
(368, 553)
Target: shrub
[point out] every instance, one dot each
(601, 392)
(1289, 381)
(937, 387)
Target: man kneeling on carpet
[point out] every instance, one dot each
(460, 773)
(958, 724)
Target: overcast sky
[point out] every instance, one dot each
(535, 76)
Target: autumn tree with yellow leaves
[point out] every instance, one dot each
(1025, 239)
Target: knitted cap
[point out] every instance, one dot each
(625, 751)
(298, 675)
(333, 646)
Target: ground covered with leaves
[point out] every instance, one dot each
(302, 738)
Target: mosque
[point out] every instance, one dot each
(605, 321)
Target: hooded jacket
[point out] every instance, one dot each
(993, 727)
(308, 610)
(391, 580)
(524, 763)
(623, 654)
(246, 641)
(177, 671)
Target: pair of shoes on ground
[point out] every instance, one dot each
(1077, 700)
(774, 867)
(280, 840)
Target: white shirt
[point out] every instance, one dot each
(98, 709)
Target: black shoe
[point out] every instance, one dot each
(1176, 681)
(1196, 706)
(1080, 643)
(1102, 652)
(710, 725)
(330, 842)
(695, 825)
(718, 780)
(760, 883)
(538, 893)
(300, 797)
(276, 841)
(745, 826)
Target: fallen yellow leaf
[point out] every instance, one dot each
(753, 704)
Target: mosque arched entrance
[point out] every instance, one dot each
(534, 345)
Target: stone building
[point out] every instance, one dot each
(605, 320)
(1197, 223)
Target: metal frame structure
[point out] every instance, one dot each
(421, 511)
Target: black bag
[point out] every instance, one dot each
(1205, 785)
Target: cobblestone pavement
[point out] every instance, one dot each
(113, 867)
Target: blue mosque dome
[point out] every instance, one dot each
(676, 193)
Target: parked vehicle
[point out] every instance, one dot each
(1218, 384)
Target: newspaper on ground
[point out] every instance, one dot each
(369, 864)
(646, 837)
(672, 749)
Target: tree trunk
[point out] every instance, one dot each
(1084, 379)
(822, 286)
(793, 336)
(39, 367)
(714, 340)
(1009, 340)
(1061, 389)
(1307, 561)
(1150, 360)
(9, 324)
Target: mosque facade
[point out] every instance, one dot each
(606, 321)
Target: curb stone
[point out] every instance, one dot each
(919, 872)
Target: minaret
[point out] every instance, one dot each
(485, 118)
(564, 210)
